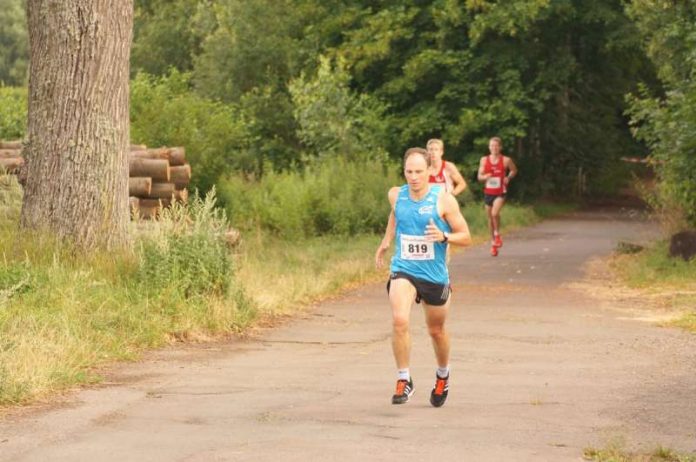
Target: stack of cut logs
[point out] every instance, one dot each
(156, 176)
(10, 159)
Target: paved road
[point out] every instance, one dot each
(540, 371)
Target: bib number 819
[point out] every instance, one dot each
(417, 248)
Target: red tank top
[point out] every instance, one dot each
(442, 178)
(495, 186)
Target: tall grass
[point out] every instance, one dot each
(283, 276)
(331, 197)
(62, 314)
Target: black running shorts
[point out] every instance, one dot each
(431, 293)
(490, 198)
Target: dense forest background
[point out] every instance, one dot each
(259, 91)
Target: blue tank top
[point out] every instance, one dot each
(413, 255)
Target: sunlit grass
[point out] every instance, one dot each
(615, 452)
(672, 280)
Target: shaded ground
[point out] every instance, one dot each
(540, 371)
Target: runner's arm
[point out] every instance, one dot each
(512, 170)
(457, 179)
(389, 233)
(482, 175)
(451, 213)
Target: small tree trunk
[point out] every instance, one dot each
(78, 132)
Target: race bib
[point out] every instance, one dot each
(416, 248)
(493, 182)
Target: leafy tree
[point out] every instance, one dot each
(332, 119)
(253, 45)
(168, 34)
(546, 76)
(666, 121)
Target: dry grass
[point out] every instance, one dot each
(616, 452)
(647, 286)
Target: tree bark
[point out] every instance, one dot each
(78, 132)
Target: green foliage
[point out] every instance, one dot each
(10, 202)
(63, 313)
(253, 50)
(14, 280)
(548, 77)
(267, 113)
(332, 119)
(13, 113)
(252, 45)
(653, 267)
(333, 196)
(164, 112)
(188, 253)
(667, 122)
(14, 51)
(168, 34)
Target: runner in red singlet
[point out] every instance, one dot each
(443, 172)
(492, 172)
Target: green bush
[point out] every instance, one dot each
(333, 120)
(165, 112)
(328, 197)
(187, 252)
(13, 113)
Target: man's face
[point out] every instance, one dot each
(494, 147)
(416, 172)
(435, 150)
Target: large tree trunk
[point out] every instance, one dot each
(78, 132)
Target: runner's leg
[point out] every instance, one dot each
(401, 296)
(435, 317)
(491, 224)
(495, 214)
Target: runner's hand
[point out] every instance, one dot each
(433, 233)
(379, 255)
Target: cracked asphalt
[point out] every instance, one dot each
(540, 371)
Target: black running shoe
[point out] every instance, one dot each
(439, 394)
(404, 391)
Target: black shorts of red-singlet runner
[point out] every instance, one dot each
(490, 198)
(431, 293)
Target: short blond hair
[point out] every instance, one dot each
(497, 138)
(434, 141)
